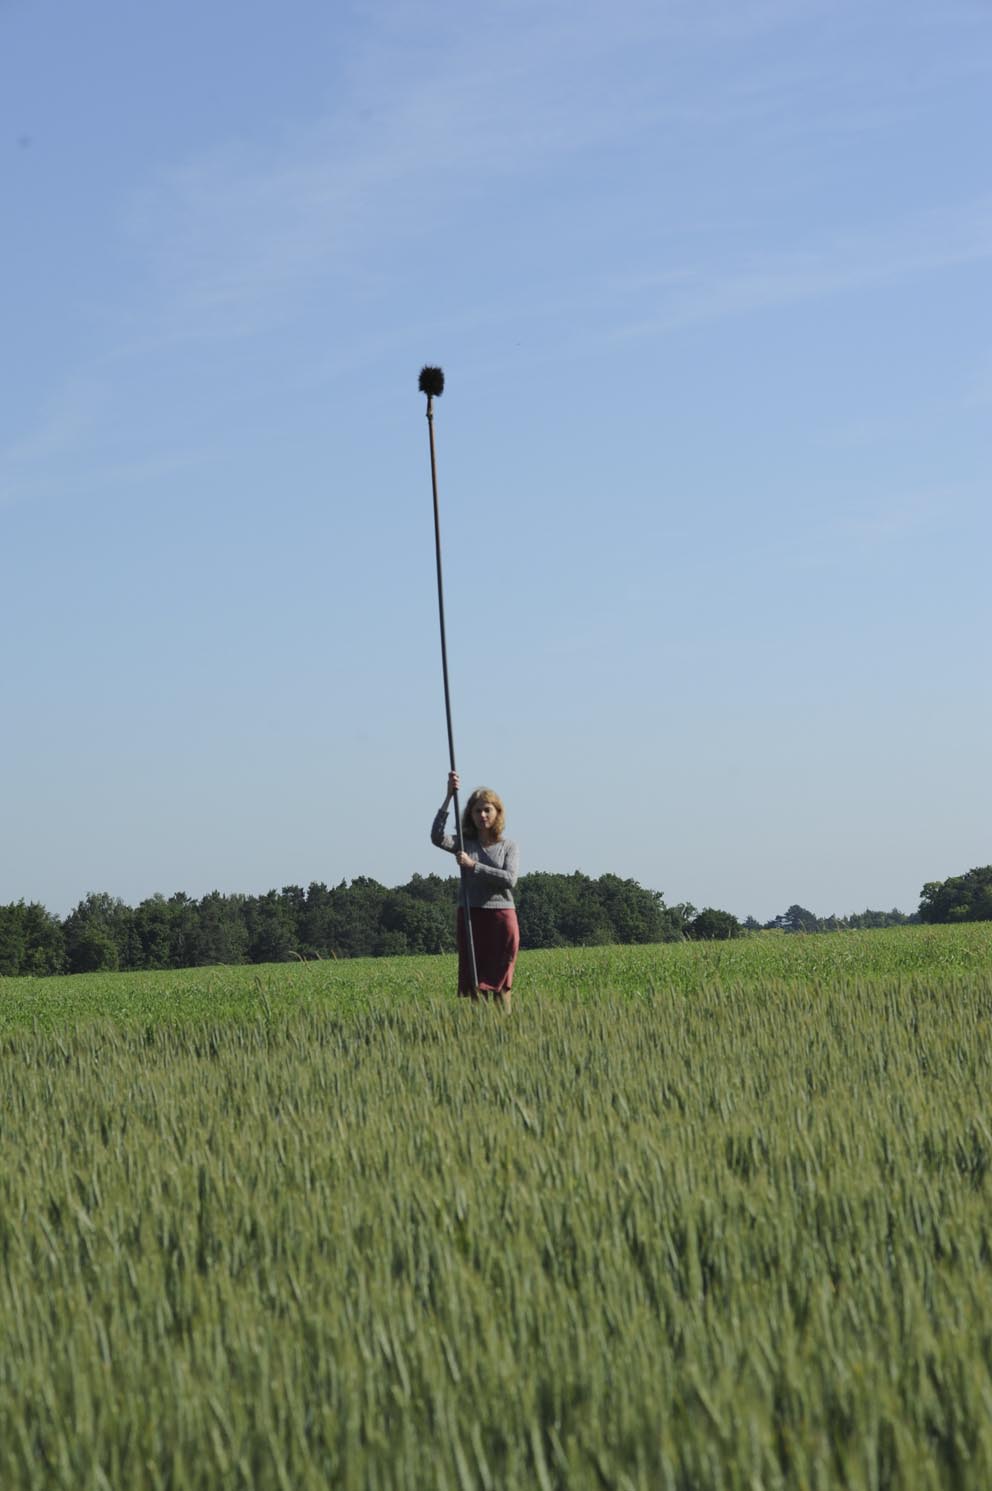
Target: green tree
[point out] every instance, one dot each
(271, 929)
(221, 934)
(571, 910)
(678, 918)
(441, 890)
(99, 934)
(712, 925)
(424, 926)
(870, 920)
(44, 942)
(93, 950)
(31, 940)
(294, 905)
(798, 919)
(153, 931)
(12, 942)
(634, 914)
(962, 898)
(358, 916)
(539, 902)
(315, 928)
(343, 922)
(184, 926)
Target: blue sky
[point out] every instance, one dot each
(710, 284)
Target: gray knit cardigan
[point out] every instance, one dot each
(490, 883)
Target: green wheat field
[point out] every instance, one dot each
(693, 1216)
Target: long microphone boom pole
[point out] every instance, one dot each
(432, 384)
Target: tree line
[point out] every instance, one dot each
(365, 919)
(351, 920)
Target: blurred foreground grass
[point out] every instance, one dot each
(692, 1217)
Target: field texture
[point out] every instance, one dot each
(691, 1217)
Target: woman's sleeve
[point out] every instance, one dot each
(438, 835)
(511, 868)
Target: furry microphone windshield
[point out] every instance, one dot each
(432, 382)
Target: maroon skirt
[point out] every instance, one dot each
(496, 938)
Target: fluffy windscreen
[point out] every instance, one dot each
(432, 382)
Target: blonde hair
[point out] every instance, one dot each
(483, 794)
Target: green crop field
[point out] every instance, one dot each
(693, 1216)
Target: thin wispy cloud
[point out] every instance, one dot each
(841, 263)
(444, 116)
(236, 236)
(78, 409)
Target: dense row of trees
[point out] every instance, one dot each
(798, 919)
(962, 898)
(366, 919)
(720, 924)
(360, 919)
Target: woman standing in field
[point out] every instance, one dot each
(489, 865)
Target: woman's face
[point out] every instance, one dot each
(484, 816)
